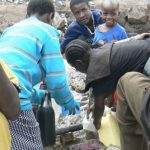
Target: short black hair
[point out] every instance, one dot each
(41, 7)
(75, 50)
(110, 3)
(74, 2)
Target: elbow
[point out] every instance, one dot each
(13, 110)
(13, 116)
(62, 51)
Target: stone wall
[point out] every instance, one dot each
(134, 15)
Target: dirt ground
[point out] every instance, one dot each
(11, 13)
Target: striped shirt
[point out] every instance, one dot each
(31, 49)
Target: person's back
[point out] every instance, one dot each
(22, 46)
(104, 67)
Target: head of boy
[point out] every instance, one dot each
(42, 9)
(81, 11)
(110, 12)
(77, 54)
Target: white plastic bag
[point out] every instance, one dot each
(88, 123)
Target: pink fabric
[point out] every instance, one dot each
(90, 147)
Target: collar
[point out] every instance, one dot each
(93, 25)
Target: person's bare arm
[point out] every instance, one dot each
(98, 110)
(137, 37)
(9, 99)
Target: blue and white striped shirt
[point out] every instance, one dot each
(31, 49)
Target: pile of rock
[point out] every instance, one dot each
(134, 15)
(15, 1)
(75, 79)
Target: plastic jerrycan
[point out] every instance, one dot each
(109, 132)
(46, 119)
(5, 138)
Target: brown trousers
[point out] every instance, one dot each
(131, 91)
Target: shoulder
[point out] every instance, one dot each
(121, 32)
(74, 27)
(96, 11)
(49, 28)
(97, 15)
(36, 27)
(118, 26)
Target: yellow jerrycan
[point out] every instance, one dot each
(5, 139)
(109, 133)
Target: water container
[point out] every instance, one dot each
(5, 138)
(109, 132)
(46, 119)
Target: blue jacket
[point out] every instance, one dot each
(75, 29)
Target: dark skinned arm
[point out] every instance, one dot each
(137, 37)
(9, 99)
(98, 110)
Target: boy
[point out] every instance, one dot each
(83, 26)
(110, 31)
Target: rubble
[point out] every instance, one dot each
(15, 1)
(66, 138)
(76, 79)
(134, 15)
(89, 145)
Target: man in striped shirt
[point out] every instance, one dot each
(31, 50)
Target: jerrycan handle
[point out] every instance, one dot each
(46, 101)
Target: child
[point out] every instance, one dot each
(110, 31)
